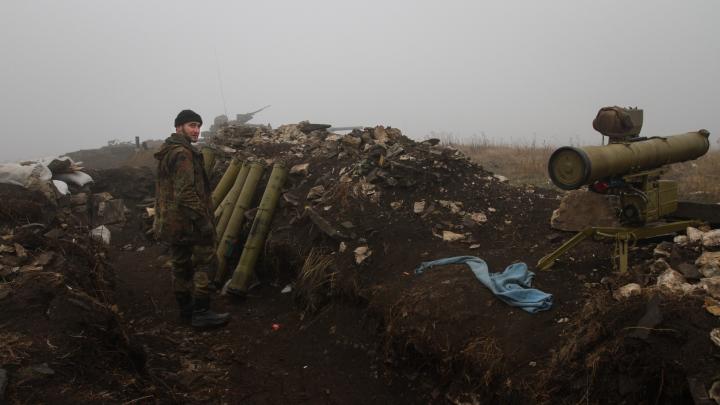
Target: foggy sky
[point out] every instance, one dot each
(75, 74)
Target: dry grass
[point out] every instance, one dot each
(316, 281)
(527, 164)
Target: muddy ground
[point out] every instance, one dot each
(369, 332)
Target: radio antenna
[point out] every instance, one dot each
(222, 94)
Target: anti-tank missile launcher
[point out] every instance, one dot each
(629, 168)
(628, 171)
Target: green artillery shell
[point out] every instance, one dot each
(226, 182)
(234, 224)
(259, 230)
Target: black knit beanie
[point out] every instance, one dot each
(186, 116)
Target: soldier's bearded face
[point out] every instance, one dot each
(191, 130)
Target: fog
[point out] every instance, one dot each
(75, 74)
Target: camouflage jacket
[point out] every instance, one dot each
(182, 192)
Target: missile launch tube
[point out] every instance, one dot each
(234, 224)
(208, 160)
(226, 182)
(259, 231)
(226, 207)
(571, 168)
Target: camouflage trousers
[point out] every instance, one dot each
(191, 265)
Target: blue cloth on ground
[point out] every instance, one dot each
(512, 286)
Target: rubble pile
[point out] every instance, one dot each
(362, 210)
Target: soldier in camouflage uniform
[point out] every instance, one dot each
(184, 220)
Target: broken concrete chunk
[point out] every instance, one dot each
(681, 240)
(448, 236)
(689, 271)
(709, 264)
(20, 251)
(101, 234)
(711, 286)
(362, 253)
(712, 306)
(694, 235)
(454, 206)
(300, 169)
(711, 239)
(500, 178)
(659, 265)
(627, 291)
(662, 251)
(714, 392)
(324, 225)
(674, 282)
(351, 141)
(109, 212)
(479, 217)
(419, 207)
(715, 336)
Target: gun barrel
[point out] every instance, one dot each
(571, 168)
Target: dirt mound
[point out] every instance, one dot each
(650, 349)
(22, 206)
(60, 326)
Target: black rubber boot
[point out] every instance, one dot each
(203, 317)
(185, 303)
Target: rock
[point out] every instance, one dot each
(694, 235)
(316, 193)
(709, 264)
(100, 197)
(663, 250)
(101, 234)
(109, 212)
(501, 178)
(343, 247)
(714, 392)
(448, 236)
(689, 271)
(324, 225)
(20, 251)
(419, 207)
(380, 135)
(396, 205)
(711, 286)
(352, 141)
(674, 282)
(660, 265)
(681, 240)
(300, 169)
(715, 337)
(479, 217)
(454, 206)
(711, 239)
(627, 291)
(362, 253)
